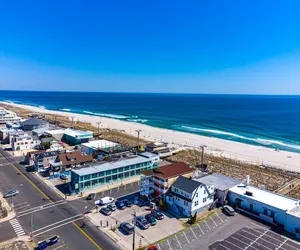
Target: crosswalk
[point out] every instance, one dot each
(17, 227)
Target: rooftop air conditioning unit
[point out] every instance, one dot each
(249, 193)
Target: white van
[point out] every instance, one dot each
(104, 201)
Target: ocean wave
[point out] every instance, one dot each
(265, 142)
(68, 110)
(137, 120)
(106, 115)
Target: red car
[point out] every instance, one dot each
(153, 248)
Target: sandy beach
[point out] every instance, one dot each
(218, 147)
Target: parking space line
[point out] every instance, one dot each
(252, 240)
(282, 244)
(232, 244)
(207, 225)
(178, 241)
(200, 229)
(186, 237)
(59, 247)
(265, 239)
(219, 216)
(193, 233)
(238, 240)
(254, 224)
(213, 220)
(169, 244)
(260, 237)
(224, 246)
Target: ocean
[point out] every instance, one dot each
(270, 121)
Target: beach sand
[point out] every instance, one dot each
(235, 150)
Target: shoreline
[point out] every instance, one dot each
(257, 155)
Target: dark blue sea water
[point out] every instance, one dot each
(271, 121)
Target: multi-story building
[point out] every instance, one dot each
(156, 182)
(8, 116)
(41, 160)
(22, 142)
(69, 160)
(104, 173)
(188, 196)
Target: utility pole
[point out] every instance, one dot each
(202, 155)
(133, 235)
(138, 131)
(72, 117)
(98, 124)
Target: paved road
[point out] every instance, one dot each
(58, 219)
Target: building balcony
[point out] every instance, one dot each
(160, 190)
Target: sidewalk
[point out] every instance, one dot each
(10, 212)
(21, 243)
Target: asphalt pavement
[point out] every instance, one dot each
(34, 208)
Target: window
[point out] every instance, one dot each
(265, 211)
(120, 170)
(94, 176)
(251, 207)
(114, 177)
(101, 174)
(108, 172)
(120, 176)
(186, 203)
(101, 180)
(204, 191)
(132, 173)
(196, 195)
(126, 174)
(127, 168)
(87, 177)
(196, 203)
(115, 171)
(204, 200)
(272, 214)
(132, 167)
(81, 178)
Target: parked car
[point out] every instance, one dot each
(127, 203)
(127, 227)
(91, 196)
(152, 248)
(104, 201)
(229, 210)
(105, 210)
(112, 207)
(45, 243)
(64, 177)
(157, 214)
(151, 219)
(11, 193)
(44, 170)
(142, 222)
(120, 205)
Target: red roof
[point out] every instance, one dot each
(169, 171)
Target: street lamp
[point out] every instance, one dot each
(138, 132)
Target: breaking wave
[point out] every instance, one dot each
(265, 142)
(106, 115)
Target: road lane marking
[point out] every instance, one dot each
(87, 236)
(40, 191)
(40, 208)
(70, 218)
(17, 227)
(58, 247)
(47, 197)
(50, 229)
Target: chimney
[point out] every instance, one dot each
(247, 180)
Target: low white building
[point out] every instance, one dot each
(268, 206)
(56, 133)
(91, 146)
(189, 196)
(23, 142)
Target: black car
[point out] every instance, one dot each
(91, 196)
(128, 228)
(105, 210)
(127, 203)
(120, 205)
(157, 214)
(150, 218)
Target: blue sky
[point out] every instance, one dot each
(234, 46)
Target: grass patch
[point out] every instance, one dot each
(163, 240)
(170, 237)
(179, 233)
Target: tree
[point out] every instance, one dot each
(193, 218)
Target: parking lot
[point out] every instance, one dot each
(255, 237)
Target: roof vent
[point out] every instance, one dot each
(249, 193)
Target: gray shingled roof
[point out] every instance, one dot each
(186, 184)
(33, 122)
